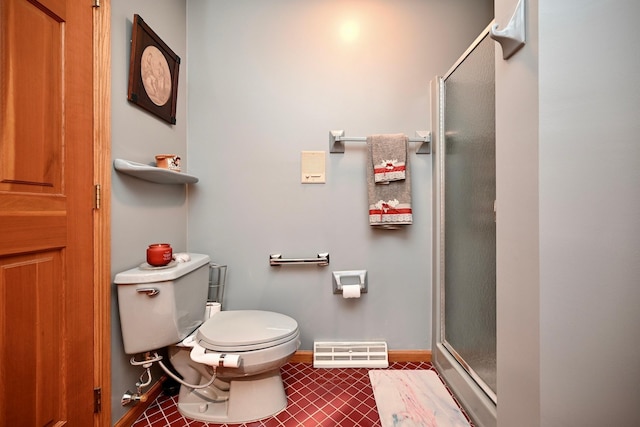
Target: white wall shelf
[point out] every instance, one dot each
(152, 173)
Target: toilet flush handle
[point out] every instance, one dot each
(150, 292)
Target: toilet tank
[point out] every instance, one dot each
(162, 306)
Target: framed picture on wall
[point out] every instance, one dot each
(153, 72)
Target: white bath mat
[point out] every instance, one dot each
(412, 398)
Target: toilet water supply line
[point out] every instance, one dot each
(136, 397)
(198, 354)
(181, 381)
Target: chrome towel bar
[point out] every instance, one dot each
(337, 139)
(276, 260)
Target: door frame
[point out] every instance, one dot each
(102, 212)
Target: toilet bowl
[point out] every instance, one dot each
(263, 342)
(229, 363)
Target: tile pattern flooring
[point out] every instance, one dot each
(334, 397)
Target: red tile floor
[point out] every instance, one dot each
(337, 397)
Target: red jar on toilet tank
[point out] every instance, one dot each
(159, 254)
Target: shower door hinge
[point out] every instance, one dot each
(96, 3)
(495, 211)
(97, 400)
(97, 196)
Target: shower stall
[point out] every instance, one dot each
(464, 273)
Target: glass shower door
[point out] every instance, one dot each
(468, 294)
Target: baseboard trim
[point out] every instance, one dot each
(410, 356)
(306, 356)
(149, 397)
(302, 356)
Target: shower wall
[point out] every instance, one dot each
(567, 109)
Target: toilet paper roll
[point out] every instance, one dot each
(350, 291)
(182, 257)
(212, 308)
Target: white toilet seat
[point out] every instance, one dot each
(261, 342)
(246, 330)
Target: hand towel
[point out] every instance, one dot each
(389, 202)
(389, 155)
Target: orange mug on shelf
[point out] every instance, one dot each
(159, 254)
(168, 161)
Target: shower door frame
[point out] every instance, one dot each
(479, 401)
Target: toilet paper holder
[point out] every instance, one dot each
(349, 277)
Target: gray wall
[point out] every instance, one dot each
(272, 81)
(589, 213)
(568, 168)
(143, 212)
(268, 80)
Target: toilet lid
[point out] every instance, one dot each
(245, 330)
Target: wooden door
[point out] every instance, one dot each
(47, 200)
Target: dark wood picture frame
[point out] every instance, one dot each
(149, 85)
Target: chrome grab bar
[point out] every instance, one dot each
(276, 260)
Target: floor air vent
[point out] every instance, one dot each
(350, 354)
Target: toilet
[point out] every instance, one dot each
(165, 307)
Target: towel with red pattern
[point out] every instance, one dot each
(390, 195)
(389, 156)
